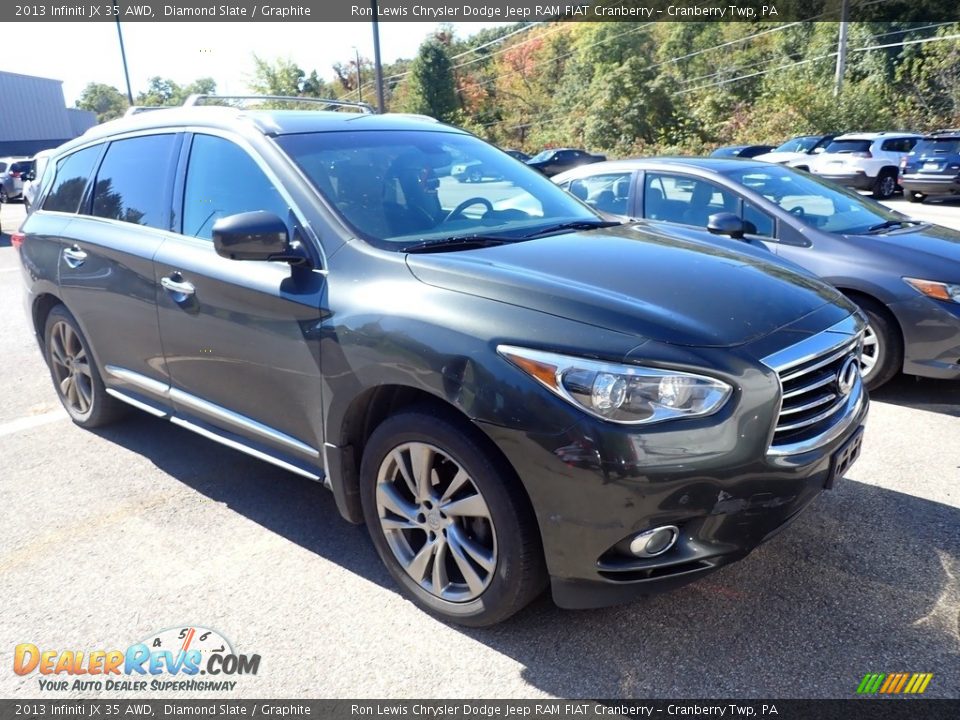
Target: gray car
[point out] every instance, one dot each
(904, 273)
(12, 172)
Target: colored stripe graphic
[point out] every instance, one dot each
(894, 683)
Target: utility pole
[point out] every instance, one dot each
(841, 48)
(123, 57)
(377, 67)
(359, 76)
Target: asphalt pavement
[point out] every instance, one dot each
(112, 535)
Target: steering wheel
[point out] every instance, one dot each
(467, 203)
(798, 211)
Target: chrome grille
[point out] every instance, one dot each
(820, 391)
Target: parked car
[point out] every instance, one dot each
(865, 161)
(12, 170)
(904, 274)
(553, 161)
(518, 155)
(34, 177)
(797, 152)
(470, 171)
(741, 151)
(932, 168)
(503, 396)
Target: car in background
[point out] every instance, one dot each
(556, 160)
(12, 170)
(741, 151)
(865, 161)
(932, 168)
(797, 152)
(517, 155)
(904, 274)
(34, 178)
(469, 171)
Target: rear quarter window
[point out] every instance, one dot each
(71, 178)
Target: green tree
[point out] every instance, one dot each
(163, 91)
(431, 83)
(104, 100)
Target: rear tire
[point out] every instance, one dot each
(3, 196)
(74, 372)
(459, 536)
(885, 185)
(883, 344)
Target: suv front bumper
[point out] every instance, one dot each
(597, 485)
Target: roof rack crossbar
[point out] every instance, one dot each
(195, 100)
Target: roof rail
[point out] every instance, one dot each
(195, 100)
(137, 109)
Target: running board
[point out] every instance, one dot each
(216, 437)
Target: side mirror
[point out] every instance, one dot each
(727, 224)
(30, 176)
(817, 150)
(257, 235)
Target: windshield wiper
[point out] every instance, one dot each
(573, 225)
(891, 224)
(457, 242)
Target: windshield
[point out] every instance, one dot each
(937, 146)
(542, 155)
(799, 144)
(398, 186)
(816, 203)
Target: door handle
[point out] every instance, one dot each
(177, 287)
(74, 256)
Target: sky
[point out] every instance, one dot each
(79, 53)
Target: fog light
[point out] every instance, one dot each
(654, 542)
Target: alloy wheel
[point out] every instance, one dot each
(888, 186)
(436, 522)
(872, 350)
(71, 368)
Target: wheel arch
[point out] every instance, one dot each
(40, 310)
(365, 412)
(855, 294)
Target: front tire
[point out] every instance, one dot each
(449, 520)
(74, 372)
(882, 347)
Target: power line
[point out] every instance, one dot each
(867, 48)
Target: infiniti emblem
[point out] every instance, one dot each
(847, 376)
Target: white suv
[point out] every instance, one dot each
(865, 161)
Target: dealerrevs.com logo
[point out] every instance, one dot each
(170, 660)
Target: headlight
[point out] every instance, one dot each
(936, 290)
(629, 394)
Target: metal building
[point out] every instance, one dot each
(34, 116)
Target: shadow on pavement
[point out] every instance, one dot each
(867, 580)
(940, 396)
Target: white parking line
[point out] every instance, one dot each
(32, 421)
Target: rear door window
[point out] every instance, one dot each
(849, 146)
(133, 181)
(71, 178)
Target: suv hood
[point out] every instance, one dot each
(637, 282)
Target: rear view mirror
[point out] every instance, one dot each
(727, 224)
(257, 235)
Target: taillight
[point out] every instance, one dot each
(16, 239)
